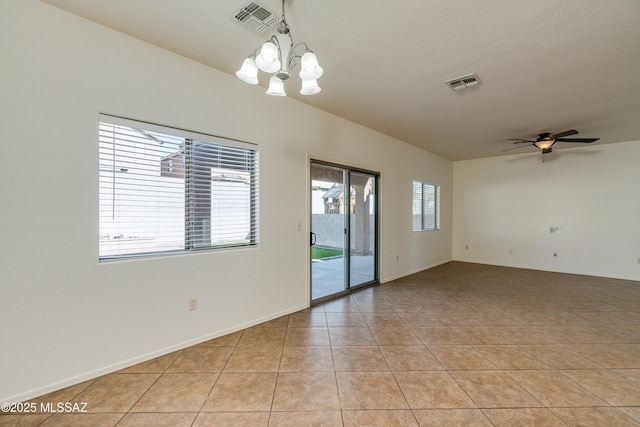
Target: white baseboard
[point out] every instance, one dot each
(40, 391)
(409, 273)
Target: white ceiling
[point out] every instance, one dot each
(544, 65)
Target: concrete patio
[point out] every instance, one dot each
(328, 278)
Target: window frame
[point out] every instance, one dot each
(191, 138)
(425, 225)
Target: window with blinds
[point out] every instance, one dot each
(426, 206)
(165, 190)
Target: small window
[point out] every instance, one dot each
(426, 206)
(165, 190)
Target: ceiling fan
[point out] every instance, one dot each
(545, 141)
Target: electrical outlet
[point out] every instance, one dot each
(193, 304)
(397, 258)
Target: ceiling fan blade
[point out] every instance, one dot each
(565, 133)
(515, 148)
(584, 140)
(520, 141)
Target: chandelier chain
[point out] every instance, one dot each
(283, 23)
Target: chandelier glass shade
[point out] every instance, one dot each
(310, 87)
(248, 72)
(279, 56)
(310, 69)
(276, 87)
(269, 58)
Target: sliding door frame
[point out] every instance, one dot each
(347, 170)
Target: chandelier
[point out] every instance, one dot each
(278, 57)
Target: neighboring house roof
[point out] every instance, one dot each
(334, 192)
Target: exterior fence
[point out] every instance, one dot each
(329, 230)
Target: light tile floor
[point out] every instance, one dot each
(457, 345)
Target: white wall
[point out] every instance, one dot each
(504, 208)
(67, 318)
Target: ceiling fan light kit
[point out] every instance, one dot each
(278, 56)
(545, 144)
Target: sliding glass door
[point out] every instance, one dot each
(343, 230)
(362, 229)
(328, 225)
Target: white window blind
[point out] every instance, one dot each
(426, 206)
(165, 190)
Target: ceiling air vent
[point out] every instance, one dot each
(463, 82)
(255, 16)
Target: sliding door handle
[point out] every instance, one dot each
(313, 238)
